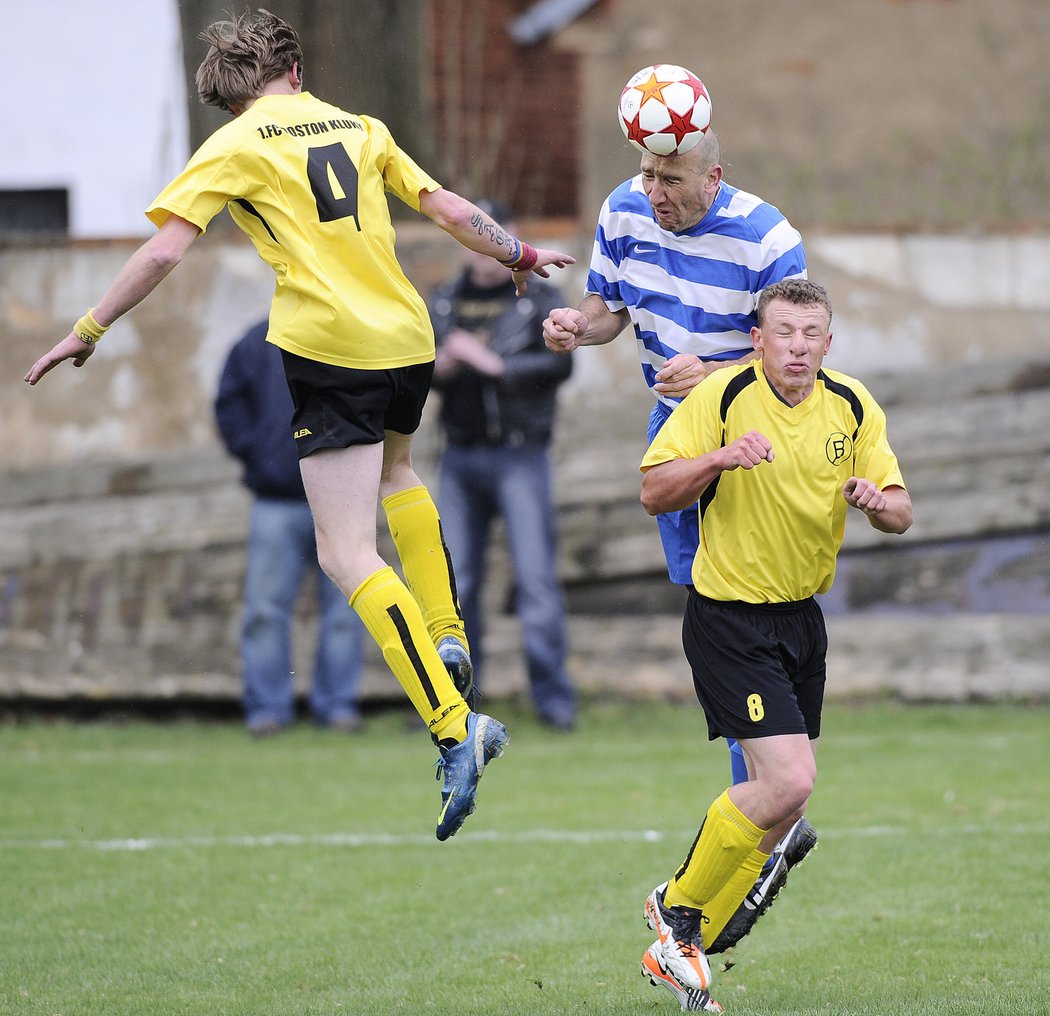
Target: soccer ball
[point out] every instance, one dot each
(665, 110)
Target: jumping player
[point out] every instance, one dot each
(307, 182)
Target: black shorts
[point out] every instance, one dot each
(336, 407)
(758, 668)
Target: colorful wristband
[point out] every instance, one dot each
(525, 258)
(88, 330)
(516, 255)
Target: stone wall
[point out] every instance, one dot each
(123, 522)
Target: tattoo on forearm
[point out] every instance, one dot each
(493, 231)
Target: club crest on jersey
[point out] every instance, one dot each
(839, 448)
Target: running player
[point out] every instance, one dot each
(307, 182)
(774, 452)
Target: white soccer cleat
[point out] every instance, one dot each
(691, 1000)
(680, 940)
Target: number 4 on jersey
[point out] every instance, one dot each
(333, 180)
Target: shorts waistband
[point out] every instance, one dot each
(785, 607)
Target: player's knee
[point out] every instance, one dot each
(792, 790)
(800, 788)
(336, 564)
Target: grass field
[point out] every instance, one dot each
(184, 868)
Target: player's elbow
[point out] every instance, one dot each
(667, 487)
(651, 497)
(162, 260)
(167, 247)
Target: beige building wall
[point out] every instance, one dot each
(924, 115)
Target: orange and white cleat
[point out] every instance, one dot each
(690, 999)
(681, 943)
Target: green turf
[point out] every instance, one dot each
(183, 868)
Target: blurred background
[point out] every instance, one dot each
(908, 140)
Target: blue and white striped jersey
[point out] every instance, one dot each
(692, 292)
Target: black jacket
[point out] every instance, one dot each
(253, 410)
(519, 407)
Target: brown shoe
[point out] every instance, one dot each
(349, 723)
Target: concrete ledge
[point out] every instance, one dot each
(959, 658)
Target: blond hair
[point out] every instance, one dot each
(800, 292)
(243, 56)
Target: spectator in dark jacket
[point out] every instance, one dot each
(253, 410)
(499, 385)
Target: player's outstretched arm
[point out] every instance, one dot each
(888, 511)
(141, 274)
(468, 224)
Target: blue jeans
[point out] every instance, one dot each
(477, 484)
(281, 553)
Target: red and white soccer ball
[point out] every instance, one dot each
(665, 110)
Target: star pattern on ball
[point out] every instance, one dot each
(651, 89)
(634, 131)
(697, 87)
(681, 124)
(659, 116)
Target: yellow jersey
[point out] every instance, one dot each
(772, 534)
(307, 182)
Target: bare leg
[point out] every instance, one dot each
(783, 770)
(416, 530)
(342, 486)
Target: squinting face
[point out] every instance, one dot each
(680, 192)
(793, 340)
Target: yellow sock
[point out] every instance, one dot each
(731, 895)
(416, 530)
(393, 619)
(726, 838)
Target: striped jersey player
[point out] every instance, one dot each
(682, 256)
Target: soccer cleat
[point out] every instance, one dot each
(792, 849)
(462, 766)
(689, 999)
(456, 659)
(681, 945)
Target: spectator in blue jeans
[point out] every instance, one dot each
(498, 383)
(253, 409)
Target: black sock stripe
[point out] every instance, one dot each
(451, 572)
(688, 857)
(398, 619)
